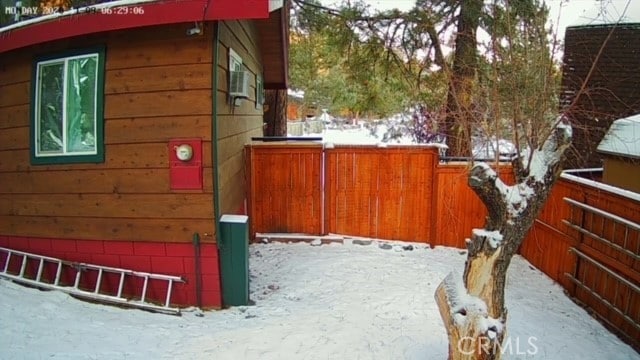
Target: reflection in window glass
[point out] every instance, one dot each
(81, 84)
(66, 106)
(50, 85)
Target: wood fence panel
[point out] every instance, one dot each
(418, 197)
(285, 188)
(380, 192)
(619, 206)
(459, 210)
(389, 196)
(547, 247)
(547, 243)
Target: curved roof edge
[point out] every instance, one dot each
(125, 14)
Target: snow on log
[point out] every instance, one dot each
(470, 330)
(493, 237)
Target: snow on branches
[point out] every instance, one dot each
(535, 173)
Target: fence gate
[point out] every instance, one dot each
(285, 187)
(382, 193)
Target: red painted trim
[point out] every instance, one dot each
(159, 257)
(156, 13)
(237, 9)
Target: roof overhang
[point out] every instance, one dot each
(125, 14)
(623, 138)
(273, 34)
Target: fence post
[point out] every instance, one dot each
(435, 200)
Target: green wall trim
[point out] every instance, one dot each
(214, 129)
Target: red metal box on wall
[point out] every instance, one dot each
(185, 164)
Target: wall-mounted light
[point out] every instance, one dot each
(195, 30)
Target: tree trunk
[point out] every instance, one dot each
(275, 114)
(472, 306)
(460, 118)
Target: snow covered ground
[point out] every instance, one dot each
(359, 136)
(312, 302)
(482, 148)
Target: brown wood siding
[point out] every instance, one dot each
(157, 87)
(236, 124)
(611, 92)
(623, 173)
(274, 46)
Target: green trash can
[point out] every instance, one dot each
(233, 246)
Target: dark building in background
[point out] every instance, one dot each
(600, 83)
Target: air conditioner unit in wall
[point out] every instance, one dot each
(239, 85)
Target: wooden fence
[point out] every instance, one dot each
(397, 192)
(380, 192)
(404, 193)
(587, 239)
(285, 188)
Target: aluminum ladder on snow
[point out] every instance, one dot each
(38, 280)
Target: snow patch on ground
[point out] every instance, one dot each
(312, 302)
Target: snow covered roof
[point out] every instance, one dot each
(623, 138)
(610, 12)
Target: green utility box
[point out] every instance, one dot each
(233, 244)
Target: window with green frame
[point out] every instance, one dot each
(67, 107)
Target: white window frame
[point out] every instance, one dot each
(259, 91)
(235, 61)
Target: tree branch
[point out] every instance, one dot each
(303, 3)
(484, 181)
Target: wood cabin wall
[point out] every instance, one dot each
(157, 87)
(621, 172)
(236, 124)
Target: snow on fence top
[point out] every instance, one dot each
(602, 186)
(623, 138)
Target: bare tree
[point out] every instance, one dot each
(472, 305)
